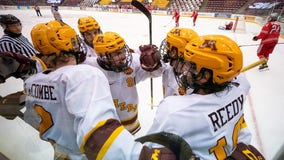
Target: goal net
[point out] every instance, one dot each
(239, 25)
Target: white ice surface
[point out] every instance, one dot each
(264, 107)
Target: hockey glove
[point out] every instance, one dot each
(150, 57)
(16, 65)
(11, 105)
(245, 152)
(255, 38)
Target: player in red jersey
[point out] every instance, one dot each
(176, 17)
(194, 15)
(269, 36)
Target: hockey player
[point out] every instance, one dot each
(123, 71)
(37, 9)
(55, 12)
(172, 49)
(72, 107)
(194, 16)
(13, 40)
(269, 36)
(176, 17)
(227, 26)
(89, 28)
(211, 119)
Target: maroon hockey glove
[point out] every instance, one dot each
(16, 65)
(150, 57)
(255, 38)
(245, 152)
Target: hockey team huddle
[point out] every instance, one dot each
(80, 91)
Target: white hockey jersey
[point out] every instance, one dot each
(66, 104)
(90, 51)
(124, 91)
(212, 124)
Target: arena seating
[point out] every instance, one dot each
(23, 2)
(230, 6)
(186, 5)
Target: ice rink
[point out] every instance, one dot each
(264, 106)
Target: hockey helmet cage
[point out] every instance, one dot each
(108, 42)
(179, 37)
(218, 53)
(87, 23)
(8, 19)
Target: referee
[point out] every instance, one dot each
(13, 40)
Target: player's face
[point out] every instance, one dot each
(8, 66)
(90, 35)
(118, 58)
(15, 28)
(173, 55)
(185, 73)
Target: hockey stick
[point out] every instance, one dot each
(259, 62)
(146, 12)
(247, 45)
(172, 141)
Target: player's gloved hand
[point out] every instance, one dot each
(16, 65)
(11, 105)
(245, 152)
(150, 57)
(255, 38)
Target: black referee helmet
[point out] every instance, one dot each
(8, 19)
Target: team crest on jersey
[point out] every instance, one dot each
(130, 82)
(128, 71)
(209, 44)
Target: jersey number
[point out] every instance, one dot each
(46, 119)
(219, 150)
(275, 28)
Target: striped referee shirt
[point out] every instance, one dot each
(17, 45)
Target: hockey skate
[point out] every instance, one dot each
(263, 67)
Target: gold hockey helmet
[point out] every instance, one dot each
(179, 37)
(87, 24)
(218, 53)
(108, 42)
(54, 37)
